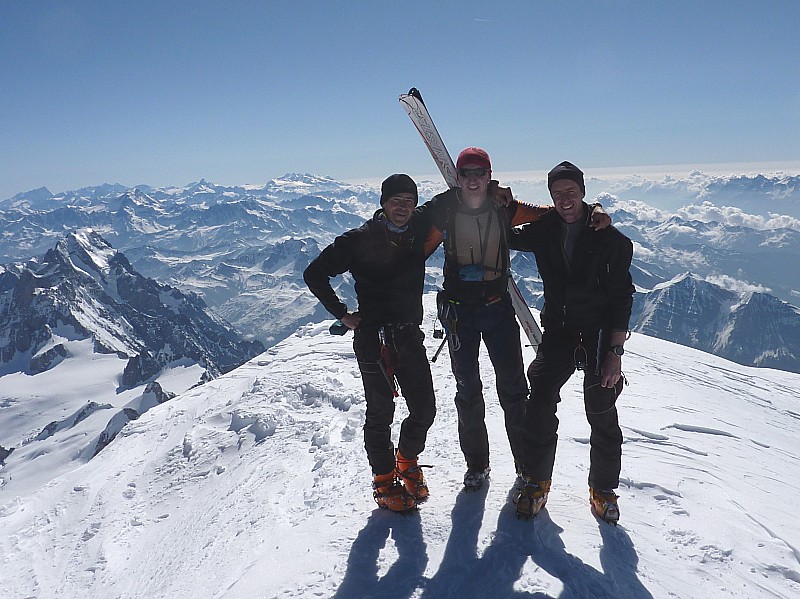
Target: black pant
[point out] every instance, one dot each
(407, 357)
(498, 328)
(554, 364)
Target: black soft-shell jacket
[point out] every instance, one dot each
(597, 291)
(388, 269)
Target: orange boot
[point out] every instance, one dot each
(410, 473)
(390, 494)
(604, 504)
(531, 498)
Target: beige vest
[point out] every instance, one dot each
(474, 245)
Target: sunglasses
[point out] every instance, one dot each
(472, 172)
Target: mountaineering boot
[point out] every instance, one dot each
(531, 497)
(474, 479)
(390, 494)
(604, 504)
(410, 474)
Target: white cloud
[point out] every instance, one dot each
(642, 253)
(733, 216)
(705, 212)
(728, 282)
(640, 210)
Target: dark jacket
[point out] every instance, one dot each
(596, 292)
(388, 269)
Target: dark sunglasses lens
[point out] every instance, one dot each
(475, 172)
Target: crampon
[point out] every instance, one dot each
(531, 498)
(391, 494)
(474, 479)
(409, 473)
(604, 505)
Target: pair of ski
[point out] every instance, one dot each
(415, 107)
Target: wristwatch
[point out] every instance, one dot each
(617, 349)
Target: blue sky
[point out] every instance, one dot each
(168, 92)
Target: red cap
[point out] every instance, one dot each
(474, 156)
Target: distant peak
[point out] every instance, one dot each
(89, 248)
(304, 178)
(683, 278)
(40, 193)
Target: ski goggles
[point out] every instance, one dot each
(472, 172)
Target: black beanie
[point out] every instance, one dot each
(398, 183)
(566, 170)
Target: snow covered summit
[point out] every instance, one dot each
(256, 485)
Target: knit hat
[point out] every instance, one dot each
(398, 183)
(476, 156)
(566, 170)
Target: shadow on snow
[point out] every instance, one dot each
(463, 574)
(404, 576)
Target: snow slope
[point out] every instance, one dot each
(256, 484)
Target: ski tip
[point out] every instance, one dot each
(415, 92)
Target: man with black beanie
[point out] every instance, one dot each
(566, 170)
(385, 257)
(588, 295)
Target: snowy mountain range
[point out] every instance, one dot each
(121, 476)
(83, 288)
(256, 484)
(243, 248)
(227, 245)
(746, 327)
(761, 194)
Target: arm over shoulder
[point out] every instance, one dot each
(431, 219)
(521, 213)
(525, 238)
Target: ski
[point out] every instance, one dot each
(418, 113)
(415, 107)
(524, 315)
